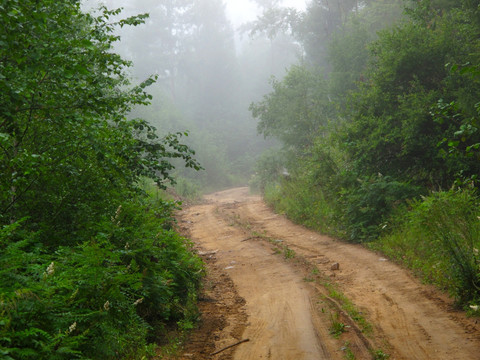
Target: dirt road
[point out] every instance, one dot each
(295, 294)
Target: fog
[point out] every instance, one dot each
(209, 71)
(213, 58)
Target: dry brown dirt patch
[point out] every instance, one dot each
(265, 284)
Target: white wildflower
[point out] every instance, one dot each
(474, 307)
(106, 306)
(50, 269)
(117, 214)
(72, 327)
(139, 301)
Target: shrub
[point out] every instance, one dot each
(105, 298)
(268, 170)
(439, 237)
(369, 203)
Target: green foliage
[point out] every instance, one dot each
(297, 109)
(348, 50)
(461, 144)
(380, 355)
(391, 131)
(439, 238)
(268, 169)
(369, 203)
(288, 253)
(89, 267)
(100, 299)
(337, 328)
(392, 140)
(187, 189)
(348, 353)
(65, 138)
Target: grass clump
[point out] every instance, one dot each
(380, 355)
(337, 328)
(347, 305)
(347, 351)
(439, 238)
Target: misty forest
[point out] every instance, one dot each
(358, 119)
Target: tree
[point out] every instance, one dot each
(392, 130)
(67, 146)
(88, 265)
(348, 49)
(296, 111)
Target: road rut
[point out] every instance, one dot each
(290, 314)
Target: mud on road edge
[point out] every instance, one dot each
(222, 314)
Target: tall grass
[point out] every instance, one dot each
(439, 238)
(303, 204)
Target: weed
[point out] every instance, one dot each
(288, 253)
(349, 308)
(262, 235)
(348, 353)
(380, 355)
(337, 328)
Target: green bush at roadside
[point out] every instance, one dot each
(106, 298)
(439, 238)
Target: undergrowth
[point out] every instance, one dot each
(439, 238)
(105, 298)
(302, 204)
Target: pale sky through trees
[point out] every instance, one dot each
(241, 11)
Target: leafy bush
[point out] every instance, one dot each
(303, 203)
(268, 170)
(187, 188)
(439, 237)
(101, 299)
(80, 276)
(366, 206)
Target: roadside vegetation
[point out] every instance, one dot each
(379, 132)
(90, 267)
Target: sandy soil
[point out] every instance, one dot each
(265, 284)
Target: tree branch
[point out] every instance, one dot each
(229, 346)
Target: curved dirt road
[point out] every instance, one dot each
(277, 299)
